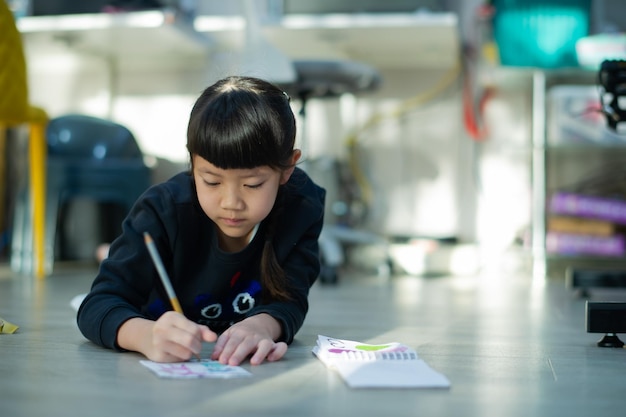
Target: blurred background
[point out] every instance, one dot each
(480, 112)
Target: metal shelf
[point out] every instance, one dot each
(161, 37)
(133, 39)
(382, 40)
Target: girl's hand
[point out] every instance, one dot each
(172, 338)
(176, 338)
(253, 336)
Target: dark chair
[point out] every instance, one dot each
(88, 157)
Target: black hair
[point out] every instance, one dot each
(246, 122)
(242, 122)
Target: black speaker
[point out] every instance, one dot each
(607, 317)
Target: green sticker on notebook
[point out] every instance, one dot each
(371, 348)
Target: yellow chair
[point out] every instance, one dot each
(15, 110)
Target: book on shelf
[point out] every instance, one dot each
(587, 206)
(389, 365)
(581, 226)
(577, 244)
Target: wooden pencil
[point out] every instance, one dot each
(165, 279)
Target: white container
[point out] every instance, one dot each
(575, 117)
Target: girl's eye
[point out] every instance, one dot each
(210, 184)
(254, 186)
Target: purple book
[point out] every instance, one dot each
(572, 244)
(610, 209)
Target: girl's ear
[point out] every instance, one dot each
(286, 174)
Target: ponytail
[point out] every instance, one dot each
(273, 277)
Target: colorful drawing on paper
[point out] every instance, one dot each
(195, 370)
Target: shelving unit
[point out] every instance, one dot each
(557, 164)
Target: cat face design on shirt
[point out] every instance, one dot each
(212, 311)
(239, 300)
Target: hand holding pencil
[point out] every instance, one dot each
(254, 336)
(158, 263)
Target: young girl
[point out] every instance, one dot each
(237, 235)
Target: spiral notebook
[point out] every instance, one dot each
(389, 365)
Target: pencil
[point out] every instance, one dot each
(165, 279)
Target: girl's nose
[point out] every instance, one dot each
(231, 200)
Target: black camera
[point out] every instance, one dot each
(612, 79)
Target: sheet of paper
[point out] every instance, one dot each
(77, 300)
(204, 368)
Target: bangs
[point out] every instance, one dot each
(237, 144)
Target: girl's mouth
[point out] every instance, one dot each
(232, 222)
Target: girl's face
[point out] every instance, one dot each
(237, 199)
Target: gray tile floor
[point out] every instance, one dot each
(510, 347)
